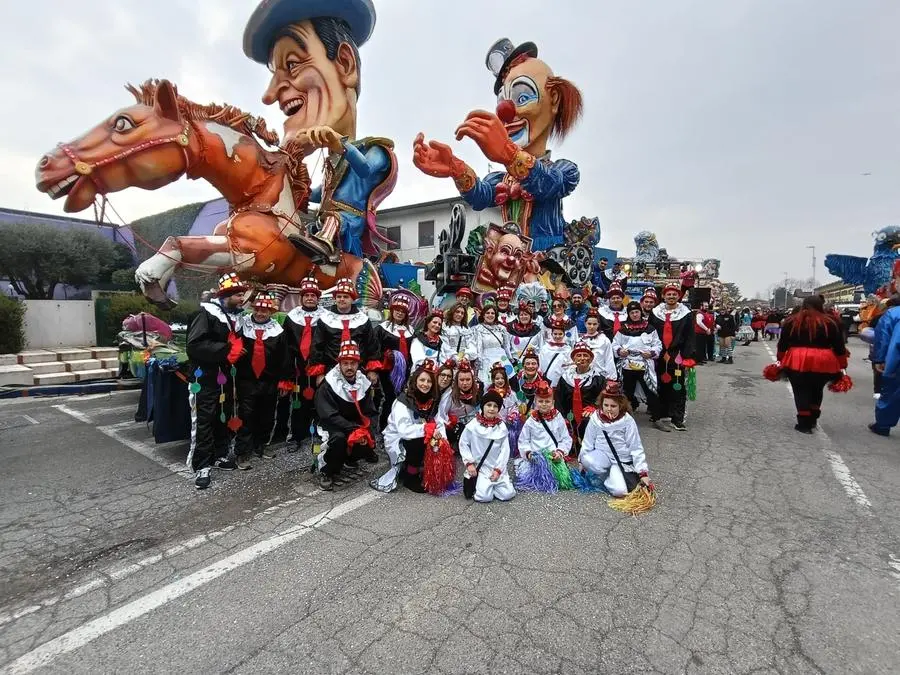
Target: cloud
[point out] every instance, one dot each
(733, 129)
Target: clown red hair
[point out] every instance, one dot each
(571, 106)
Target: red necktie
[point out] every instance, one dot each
(404, 348)
(576, 400)
(258, 361)
(306, 338)
(667, 331)
(616, 323)
(345, 333)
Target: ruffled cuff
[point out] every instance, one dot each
(285, 386)
(689, 363)
(372, 366)
(316, 370)
(237, 346)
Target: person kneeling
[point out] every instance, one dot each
(411, 420)
(484, 448)
(345, 410)
(612, 447)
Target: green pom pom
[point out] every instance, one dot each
(295, 404)
(195, 387)
(570, 417)
(677, 386)
(222, 417)
(233, 371)
(691, 382)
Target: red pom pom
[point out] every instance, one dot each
(440, 468)
(689, 363)
(234, 424)
(842, 385)
(772, 372)
(308, 393)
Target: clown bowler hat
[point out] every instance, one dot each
(501, 54)
(273, 15)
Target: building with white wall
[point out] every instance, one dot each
(415, 228)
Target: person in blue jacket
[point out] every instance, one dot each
(886, 360)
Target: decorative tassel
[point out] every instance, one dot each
(690, 382)
(398, 372)
(773, 372)
(538, 477)
(639, 500)
(841, 385)
(514, 425)
(586, 482)
(440, 467)
(560, 471)
(455, 488)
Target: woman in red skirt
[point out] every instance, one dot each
(812, 352)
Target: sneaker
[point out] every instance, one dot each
(202, 481)
(371, 457)
(243, 462)
(326, 482)
(876, 396)
(678, 426)
(351, 471)
(662, 426)
(266, 453)
(879, 430)
(802, 430)
(225, 464)
(730, 361)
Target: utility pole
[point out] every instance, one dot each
(785, 290)
(813, 265)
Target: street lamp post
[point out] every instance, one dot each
(785, 290)
(813, 266)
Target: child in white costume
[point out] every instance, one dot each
(488, 434)
(604, 355)
(596, 455)
(544, 430)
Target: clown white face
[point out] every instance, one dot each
(526, 87)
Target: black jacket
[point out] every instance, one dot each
(207, 340)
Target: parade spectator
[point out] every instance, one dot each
(812, 353)
(705, 333)
(885, 358)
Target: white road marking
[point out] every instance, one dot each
(114, 432)
(119, 573)
(148, 451)
(30, 418)
(78, 637)
(838, 467)
(77, 414)
(894, 563)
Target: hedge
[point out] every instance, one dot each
(12, 326)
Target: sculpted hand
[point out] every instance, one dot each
(434, 158)
(321, 137)
(488, 132)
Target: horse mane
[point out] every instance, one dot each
(221, 113)
(235, 118)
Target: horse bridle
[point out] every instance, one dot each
(83, 168)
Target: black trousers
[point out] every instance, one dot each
(876, 381)
(300, 418)
(388, 396)
(709, 343)
(210, 438)
(672, 402)
(809, 390)
(337, 454)
(630, 380)
(256, 408)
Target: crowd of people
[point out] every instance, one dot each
(514, 377)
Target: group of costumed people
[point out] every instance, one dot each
(456, 395)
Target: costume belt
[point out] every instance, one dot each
(335, 205)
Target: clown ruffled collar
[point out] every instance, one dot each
(485, 422)
(546, 418)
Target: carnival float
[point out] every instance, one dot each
(281, 229)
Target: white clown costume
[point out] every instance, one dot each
(488, 436)
(536, 437)
(489, 345)
(597, 457)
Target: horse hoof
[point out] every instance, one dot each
(155, 294)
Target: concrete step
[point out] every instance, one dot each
(37, 356)
(54, 378)
(47, 368)
(73, 354)
(9, 359)
(96, 374)
(16, 374)
(110, 363)
(83, 364)
(105, 352)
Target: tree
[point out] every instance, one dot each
(36, 258)
(732, 291)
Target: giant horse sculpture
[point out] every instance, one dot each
(165, 136)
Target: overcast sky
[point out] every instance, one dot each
(738, 129)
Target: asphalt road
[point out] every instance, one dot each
(768, 551)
